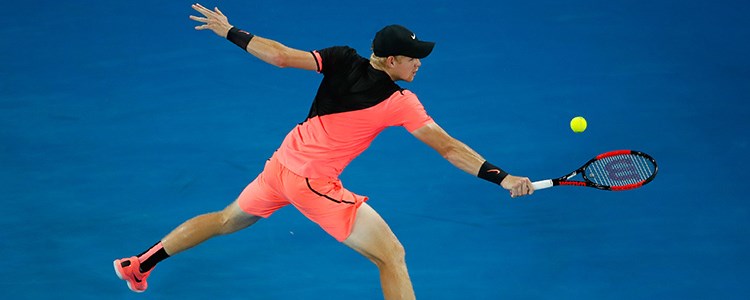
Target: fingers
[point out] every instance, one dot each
(207, 12)
(212, 19)
(529, 186)
(521, 187)
(199, 8)
(199, 19)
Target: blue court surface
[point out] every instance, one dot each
(118, 121)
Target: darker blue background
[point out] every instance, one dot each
(118, 121)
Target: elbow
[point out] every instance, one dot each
(281, 59)
(449, 152)
(449, 148)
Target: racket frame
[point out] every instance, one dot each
(565, 180)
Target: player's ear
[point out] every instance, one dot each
(391, 60)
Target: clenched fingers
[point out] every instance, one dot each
(521, 187)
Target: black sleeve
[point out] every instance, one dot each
(336, 59)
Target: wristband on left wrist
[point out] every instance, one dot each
(239, 37)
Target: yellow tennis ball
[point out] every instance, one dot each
(578, 124)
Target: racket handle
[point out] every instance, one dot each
(542, 184)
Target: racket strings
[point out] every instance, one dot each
(620, 170)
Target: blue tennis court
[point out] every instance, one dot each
(118, 121)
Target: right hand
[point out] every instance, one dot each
(213, 19)
(518, 186)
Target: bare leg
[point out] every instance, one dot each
(203, 227)
(372, 238)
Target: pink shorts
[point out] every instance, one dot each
(323, 200)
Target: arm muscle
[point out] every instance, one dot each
(453, 150)
(279, 55)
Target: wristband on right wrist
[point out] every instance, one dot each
(491, 173)
(239, 37)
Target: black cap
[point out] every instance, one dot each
(395, 40)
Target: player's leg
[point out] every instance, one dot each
(372, 238)
(348, 218)
(257, 200)
(136, 269)
(203, 227)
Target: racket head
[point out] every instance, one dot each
(619, 170)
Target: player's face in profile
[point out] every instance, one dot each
(405, 68)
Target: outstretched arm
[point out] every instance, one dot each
(468, 160)
(267, 50)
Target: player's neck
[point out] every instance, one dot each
(382, 69)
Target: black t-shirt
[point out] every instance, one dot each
(349, 82)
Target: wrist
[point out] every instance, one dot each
(225, 30)
(239, 37)
(492, 173)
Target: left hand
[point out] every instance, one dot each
(213, 19)
(518, 186)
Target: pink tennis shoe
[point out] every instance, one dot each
(128, 269)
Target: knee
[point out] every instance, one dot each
(225, 223)
(230, 222)
(393, 255)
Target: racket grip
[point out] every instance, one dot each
(542, 184)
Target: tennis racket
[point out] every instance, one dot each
(618, 170)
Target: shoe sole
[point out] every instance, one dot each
(117, 271)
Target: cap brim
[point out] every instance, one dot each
(421, 49)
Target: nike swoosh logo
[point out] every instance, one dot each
(494, 170)
(413, 36)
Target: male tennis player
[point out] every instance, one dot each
(356, 100)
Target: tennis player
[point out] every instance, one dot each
(357, 99)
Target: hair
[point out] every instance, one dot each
(379, 62)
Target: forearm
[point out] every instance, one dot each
(268, 50)
(453, 150)
(272, 52)
(471, 162)
(463, 157)
(468, 160)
